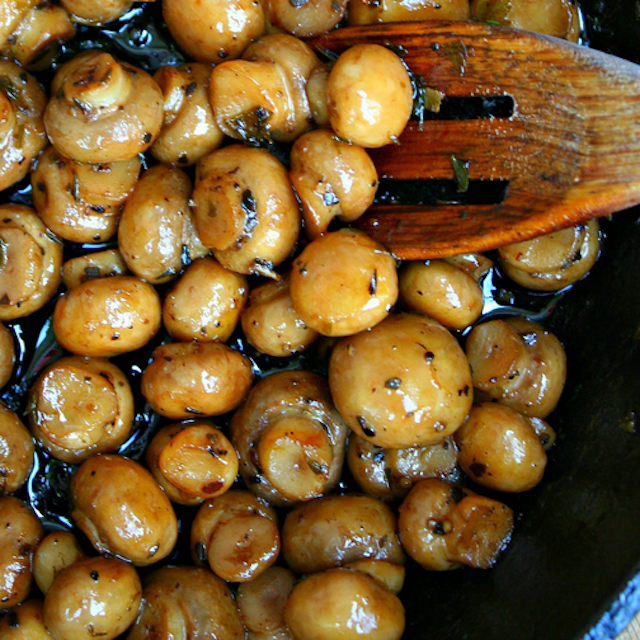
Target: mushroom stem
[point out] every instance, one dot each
(98, 85)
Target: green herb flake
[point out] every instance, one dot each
(461, 171)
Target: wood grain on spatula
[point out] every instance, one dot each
(567, 151)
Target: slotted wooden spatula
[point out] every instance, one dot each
(563, 145)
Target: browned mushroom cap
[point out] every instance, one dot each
(305, 18)
(12, 12)
(26, 621)
(237, 535)
(100, 264)
(290, 438)
(189, 131)
(347, 604)
(22, 132)
(332, 178)
(443, 525)
(263, 96)
(196, 379)
(406, 382)
(155, 224)
(122, 510)
(363, 12)
(79, 407)
(518, 363)
(338, 529)
(20, 534)
(7, 354)
(31, 266)
(35, 40)
(96, 13)
(102, 110)
(186, 602)
(107, 316)
(212, 31)
(16, 452)
(57, 551)
(389, 474)
(245, 209)
(103, 593)
(81, 202)
(552, 261)
(554, 17)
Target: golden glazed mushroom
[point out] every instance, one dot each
(305, 18)
(500, 449)
(205, 303)
(366, 12)
(351, 605)
(108, 316)
(339, 529)
(20, 534)
(102, 109)
(7, 354)
(369, 96)
(22, 132)
(104, 595)
(245, 209)
(195, 379)
(34, 42)
(96, 13)
(552, 261)
(78, 407)
(333, 179)
(261, 601)
(30, 262)
(271, 324)
(189, 131)
(557, 18)
(290, 438)
(518, 363)
(406, 382)
(443, 526)
(156, 225)
(81, 202)
(25, 621)
(16, 451)
(57, 551)
(389, 474)
(263, 96)
(237, 535)
(344, 282)
(192, 462)
(186, 602)
(121, 509)
(211, 31)
(100, 264)
(442, 291)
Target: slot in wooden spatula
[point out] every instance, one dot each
(564, 146)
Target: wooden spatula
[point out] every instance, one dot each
(562, 147)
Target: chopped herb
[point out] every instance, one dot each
(461, 171)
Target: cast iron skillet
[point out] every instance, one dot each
(572, 570)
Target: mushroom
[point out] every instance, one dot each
(245, 209)
(30, 262)
(404, 383)
(189, 130)
(16, 451)
(262, 97)
(78, 407)
(102, 109)
(82, 202)
(289, 437)
(22, 131)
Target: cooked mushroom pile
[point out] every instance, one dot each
(248, 415)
